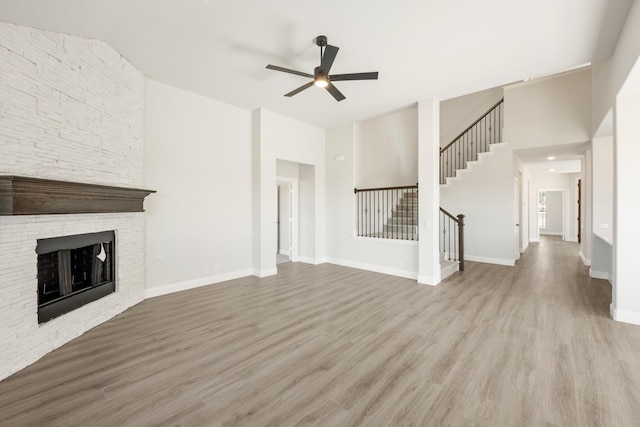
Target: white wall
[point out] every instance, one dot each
(609, 75)
(550, 111)
(287, 169)
(456, 114)
(198, 158)
(386, 150)
(626, 231)
(602, 169)
(276, 137)
(587, 208)
(384, 255)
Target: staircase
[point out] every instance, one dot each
(476, 139)
(404, 218)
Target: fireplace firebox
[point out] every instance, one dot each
(74, 271)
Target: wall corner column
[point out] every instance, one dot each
(625, 305)
(429, 190)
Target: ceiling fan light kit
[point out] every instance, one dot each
(321, 77)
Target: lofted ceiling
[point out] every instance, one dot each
(421, 48)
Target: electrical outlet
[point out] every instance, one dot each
(206, 269)
(216, 268)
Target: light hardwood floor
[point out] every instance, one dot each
(333, 346)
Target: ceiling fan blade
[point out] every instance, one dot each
(355, 76)
(335, 92)
(300, 89)
(328, 57)
(290, 71)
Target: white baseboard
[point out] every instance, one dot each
(265, 272)
(312, 261)
(599, 274)
(585, 261)
(283, 252)
(375, 268)
(534, 240)
(551, 233)
(624, 316)
(489, 260)
(572, 239)
(427, 280)
(195, 283)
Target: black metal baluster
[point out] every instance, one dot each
(369, 214)
(360, 230)
(357, 211)
(377, 214)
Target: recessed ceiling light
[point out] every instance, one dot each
(552, 170)
(551, 158)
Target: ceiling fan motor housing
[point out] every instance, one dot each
(321, 41)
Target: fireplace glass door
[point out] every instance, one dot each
(74, 270)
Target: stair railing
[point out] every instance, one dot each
(387, 212)
(476, 138)
(452, 237)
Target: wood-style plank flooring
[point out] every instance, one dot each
(326, 345)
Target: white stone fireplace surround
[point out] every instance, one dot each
(71, 109)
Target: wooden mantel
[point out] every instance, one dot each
(34, 196)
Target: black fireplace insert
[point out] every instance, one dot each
(73, 271)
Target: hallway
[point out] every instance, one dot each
(334, 346)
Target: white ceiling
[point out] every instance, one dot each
(422, 48)
(566, 158)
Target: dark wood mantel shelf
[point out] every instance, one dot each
(34, 196)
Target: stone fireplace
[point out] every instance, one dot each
(72, 111)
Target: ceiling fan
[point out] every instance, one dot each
(321, 76)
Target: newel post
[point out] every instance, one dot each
(461, 242)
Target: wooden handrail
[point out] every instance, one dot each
(459, 221)
(472, 125)
(448, 214)
(357, 190)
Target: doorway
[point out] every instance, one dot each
(579, 211)
(286, 219)
(552, 212)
